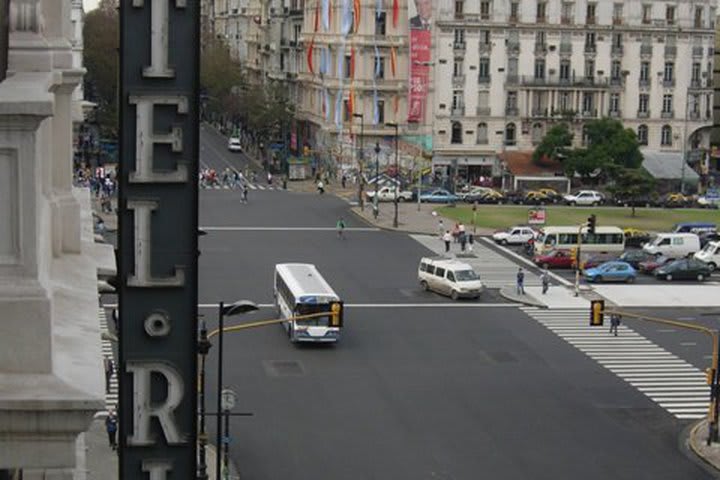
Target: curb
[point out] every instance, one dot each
(699, 455)
(530, 303)
(524, 260)
(355, 211)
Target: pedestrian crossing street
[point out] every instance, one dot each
(251, 186)
(674, 384)
(495, 270)
(111, 397)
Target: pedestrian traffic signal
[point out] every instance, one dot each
(336, 314)
(597, 308)
(591, 223)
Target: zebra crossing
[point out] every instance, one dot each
(495, 270)
(251, 186)
(111, 396)
(671, 382)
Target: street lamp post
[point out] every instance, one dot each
(228, 403)
(376, 204)
(237, 308)
(203, 349)
(397, 171)
(684, 146)
(361, 159)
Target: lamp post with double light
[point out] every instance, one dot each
(227, 401)
(237, 308)
(397, 171)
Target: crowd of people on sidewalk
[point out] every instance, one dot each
(458, 234)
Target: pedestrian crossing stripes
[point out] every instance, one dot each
(251, 186)
(671, 382)
(111, 394)
(495, 270)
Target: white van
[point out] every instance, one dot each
(710, 255)
(449, 277)
(673, 245)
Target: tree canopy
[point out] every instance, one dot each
(554, 144)
(101, 42)
(631, 184)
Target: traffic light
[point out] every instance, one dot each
(336, 314)
(596, 313)
(591, 223)
(573, 256)
(710, 375)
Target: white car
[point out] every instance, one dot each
(706, 201)
(449, 277)
(585, 198)
(710, 255)
(515, 235)
(387, 194)
(234, 144)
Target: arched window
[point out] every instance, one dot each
(456, 136)
(510, 134)
(482, 134)
(537, 133)
(642, 135)
(666, 136)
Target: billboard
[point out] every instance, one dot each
(421, 25)
(157, 238)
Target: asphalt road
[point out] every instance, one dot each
(429, 390)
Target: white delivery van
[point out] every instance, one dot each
(710, 255)
(673, 245)
(449, 277)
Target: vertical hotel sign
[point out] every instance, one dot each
(159, 65)
(421, 24)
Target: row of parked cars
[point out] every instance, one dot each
(690, 252)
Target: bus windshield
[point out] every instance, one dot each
(307, 309)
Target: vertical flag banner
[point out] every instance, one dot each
(326, 14)
(396, 12)
(393, 61)
(310, 55)
(421, 24)
(357, 13)
(346, 22)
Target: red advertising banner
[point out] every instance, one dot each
(420, 40)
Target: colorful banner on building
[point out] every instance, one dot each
(420, 15)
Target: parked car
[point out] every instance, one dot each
(675, 245)
(387, 194)
(234, 144)
(708, 237)
(615, 271)
(439, 195)
(710, 255)
(552, 194)
(449, 277)
(514, 236)
(676, 200)
(653, 263)
(585, 198)
(635, 257)
(475, 192)
(534, 197)
(555, 259)
(636, 201)
(492, 196)
(635, 237)
(708, 201)
(684, 269)
(598, 259)
(423, 190)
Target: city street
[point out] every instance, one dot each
(418, 386)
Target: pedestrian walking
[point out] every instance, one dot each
(244, 193)
(520, 281)
(545, 281)
(343, 180)
(447, 238)
(441, 228)
(463, 241)
(321, 187)
(109, 370)
(614, 323)
(340, 227)
(471, 240)
(111, 425)
(269, 178)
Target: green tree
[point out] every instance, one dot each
(632, 184)
(101, 42)
(554, 144)
(221, 78)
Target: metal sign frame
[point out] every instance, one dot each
(157, 240)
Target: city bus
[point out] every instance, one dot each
(301, 290)
(604, 240)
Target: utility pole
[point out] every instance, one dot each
(397, 170)
(361, 180)
(4, 37)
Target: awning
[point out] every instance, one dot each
(668, 166)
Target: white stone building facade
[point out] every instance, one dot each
(51, 379)
(507, 70)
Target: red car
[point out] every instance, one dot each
(649, 266)
(599, 259)
(555, 259)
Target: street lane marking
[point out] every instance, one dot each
(381, 305)
(287, 229)
(688, 344)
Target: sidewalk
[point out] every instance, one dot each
(697, 442)
(556, 297)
